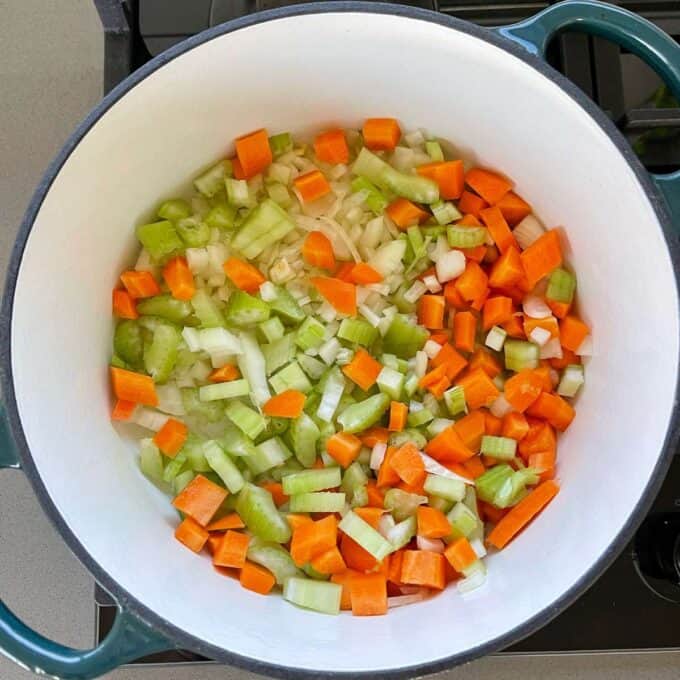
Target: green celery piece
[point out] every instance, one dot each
(174, 209)
(444, 212)
(166, 307)
(181, 481)
(235, 443)
(444, 487)
(151, 460)
(250, 422)
(160, 356)
(258, 512)
(268, 454)
(399, 438)
(117, 362)
(286, 307)
(454, 398)
(318, 501)
(320, 596)
(358, 331)
(404, 338)
(307, 481)
(212, 411)
(520, 354)
(463, 521)
(375, 199)
(220, 462)
(265, 225)
(304, 435)
(193, 231)
(364, 414)
(252, 366)
(313, 573)
(238, 193)
(571, 381)
(411, 384)
(128, 342)
(418, 418)
(403, 504)
(279, 194)
(174, 467)
(360, 497)
(206, 310)
(439, 503)
(273, 557)
(279, 353)
(366, 536)
(291, 466)
(492, 480)
(434, 151)
(224, 390)
(501, 448)
(271, 329)
(292, 377)
(413, 187)
(222, 216)
(310, 334)
(391, 382)
(403, 305)
(311, 366)
(353, 480)
(212, 180)
(244, 310)
(193, 448)
(465, 237)
(416, 241)
(280, 143)
(159, 239)
(561, 286)
(275, 427)
(400, 534)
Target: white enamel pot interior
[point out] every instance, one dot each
(304, 73)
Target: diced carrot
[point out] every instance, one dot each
(441, 338)
(543, 372)
(370, 515)
(559, 309)
(568, 357)
(433, 376)
(522, 389)
(453, 297)
(405, 214)
(423, 568)
(418, 488)
(237, 169)
(343, 447)
(363, 369)
(140, 284)
(230, 521)
(549, 324)
(398, 416)
(224, 374)
(296, 520)
(471, 204)
(540, 438)
(514, 327)
(386, 474)
(452, 360)
(394, 568)
(479, 301)
(375, 496)
(287, 404)
(171, 437)
(374, 435)
(470, 221)
(368, 595)
(432, 523)
(479, 388)
(507, 270)
(200, 499)
(475, 467)
(381, 134)
(464, 331)
(460, 554)
(431, 311)
(471, 428)
(191, 534)
(343, 579)
(340, 294)
(472, 282)
(514, 208)
(363, 274)
(244, 275)
(131, 386)
(497, 310)
(213, 542)
(317, 250)
(489, 185)
(522, 513)
(123, 410)
(437, 389)
(515, 426)
(331, 147)
(493, 424)
(572, 332)
(123, 304)
(498, 228)
(449, 176)
(312, 186)
(276, 490)
(551, 407)
(543, 460)
(355, 556)
(448, 446)
(483, 359)
(256, 578)
(542, 257)
(329, 561)
(253, 152)
(310, 540)
(344, 272)
(179, 278)
(408, 464)
(232, 550)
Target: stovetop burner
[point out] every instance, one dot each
(634, 606)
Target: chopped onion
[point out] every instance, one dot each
(551, 350)
(535, 307)
(432, 348)
(435, 468)
(268, 291)
(369, 315)
(281, 271)
(219, 359)
(414, 138)
(528, 231)
(401, 600)
(219, 341)
(478, 546)
(450, 265)
(327, 312)
(170, 399)
(198, 260)
(150, 419)
(475, 579)
(431, 544)
(385, 524)
(415, 292)
(373, 232)
(439, 249)
(329, 350)
(192, 338)
(217, 254)
(500, 406)
(421, 364)
(585, 349)
(539, 335)
(377, 455)
(432, 284)
(387, 258)
(201, 370)
(145, 263)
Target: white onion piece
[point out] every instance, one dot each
(401, 600)
(467, 585)
(198, 260)
(192, 338)
(432, 348)
(201, 370)
(268, 291)
(478, 546)
(539, 335)
(551, 350)
(528, 231)
(431, 544)
(450, 265)
(435, 468)
(500, 406)
(170, 399)
(377, 455)
(145, 263)
(385, 524)
(535, 307)
(421, 364)
(415, 292)
(150, 419)
(432, 284)
(585, 349)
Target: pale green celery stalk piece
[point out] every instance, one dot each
(117, 362)
(235, 443)
(212, 411)
(364, 414)
(166, 307)
(212, 180)
(491, 481)
(279, 194)
(403, 504)
(193, 447)
(279, 352)
(400, 534)
(182, 480)
(418, 418)
(454, 398)
(571, 381)
(252, 366)
(391, 382)
(310, 334)
(314, 574)
(366, 536)
(220, 462)
(400, 438)
(465, 237)
(292, 377)
(443, 487)
(375, 199)
(404, 338)
(291, 466)
(128, 342)
(416, 241)
(561, 286)
(193, 231)
(463, 521)
(272, 329)
(237, 192)
(304, 434)
(258, 512)
(273, 557)
(311, 366)
(265, 225)
(358, 331)
(353, 479)
(437, 426)
(514, 488)
(410, 384)
(159, 239)
(320, 596)
(445, 212)
(318, 501)
(286, 306)
(224, 390)
(222, 216)
(160, 356)
(174, 209)
(151, 460)
(244, 310)
(439, 503)
(281, 143)
(520, 354)
(206, 309)
(174, 467)
(250, 422)
(268, 454)
(413, 187)
(275, 427)
(434, 151)
(333, 388)
(307, 481)
(501, 448)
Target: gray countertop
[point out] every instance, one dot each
(50, 75)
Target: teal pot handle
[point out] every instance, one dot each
(130, 638)
(639, 36)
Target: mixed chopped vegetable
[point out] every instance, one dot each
(353, 359)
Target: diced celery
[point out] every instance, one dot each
(273, 557)
(310, 334)
(117, 362)
(250, 422)
(415, 239)
(128, 342)
(463, 521)
(224, 390)
(311, 480)
(222, 216)
(265, 225)
(219, 341)
(360, 497)
(561, 286)
(571, 381)
(400, 534)
(252, 366)
(151, 460)
(375, 200)
(281, 143)
(268, 454)
(206, 309)
(212, 180)
(419, 417)
(439, 503)
(445, 212)
(166, 307)
(357, 331)
(502, 448)
(304, 435)
(400, 438)
(353, 479)
(411, 384)
(244, 310)
(275, 426)
(311, 366)
(438, 425)
(279, 194)
(160, 356)
(318, 501)
(182, 480)
(291, 466)
(495, 338)
(292, 377)
(286, 306)
(520, 354)
(211, 411)
(403, 304)
(465, 237)
(443, 487)
(514, 488)
(193, 448)
(364, 414)
(403, 504)
(174, 209)
(237, 192)
(272, 329)
(333, 389)
(235, 443)
(403, 338)
(365, 535)
(174, 467)
(193, 231)
(491, 481)
(258, 512)
(279, 353)
(220, 462)
(159, 239)
(434, 151)
(320, 596)
(390, 382)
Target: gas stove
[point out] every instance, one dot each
(635, 605)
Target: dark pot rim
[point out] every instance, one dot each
(177, 636)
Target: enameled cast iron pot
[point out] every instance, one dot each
(299, 69)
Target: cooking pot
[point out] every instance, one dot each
(300, 69)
